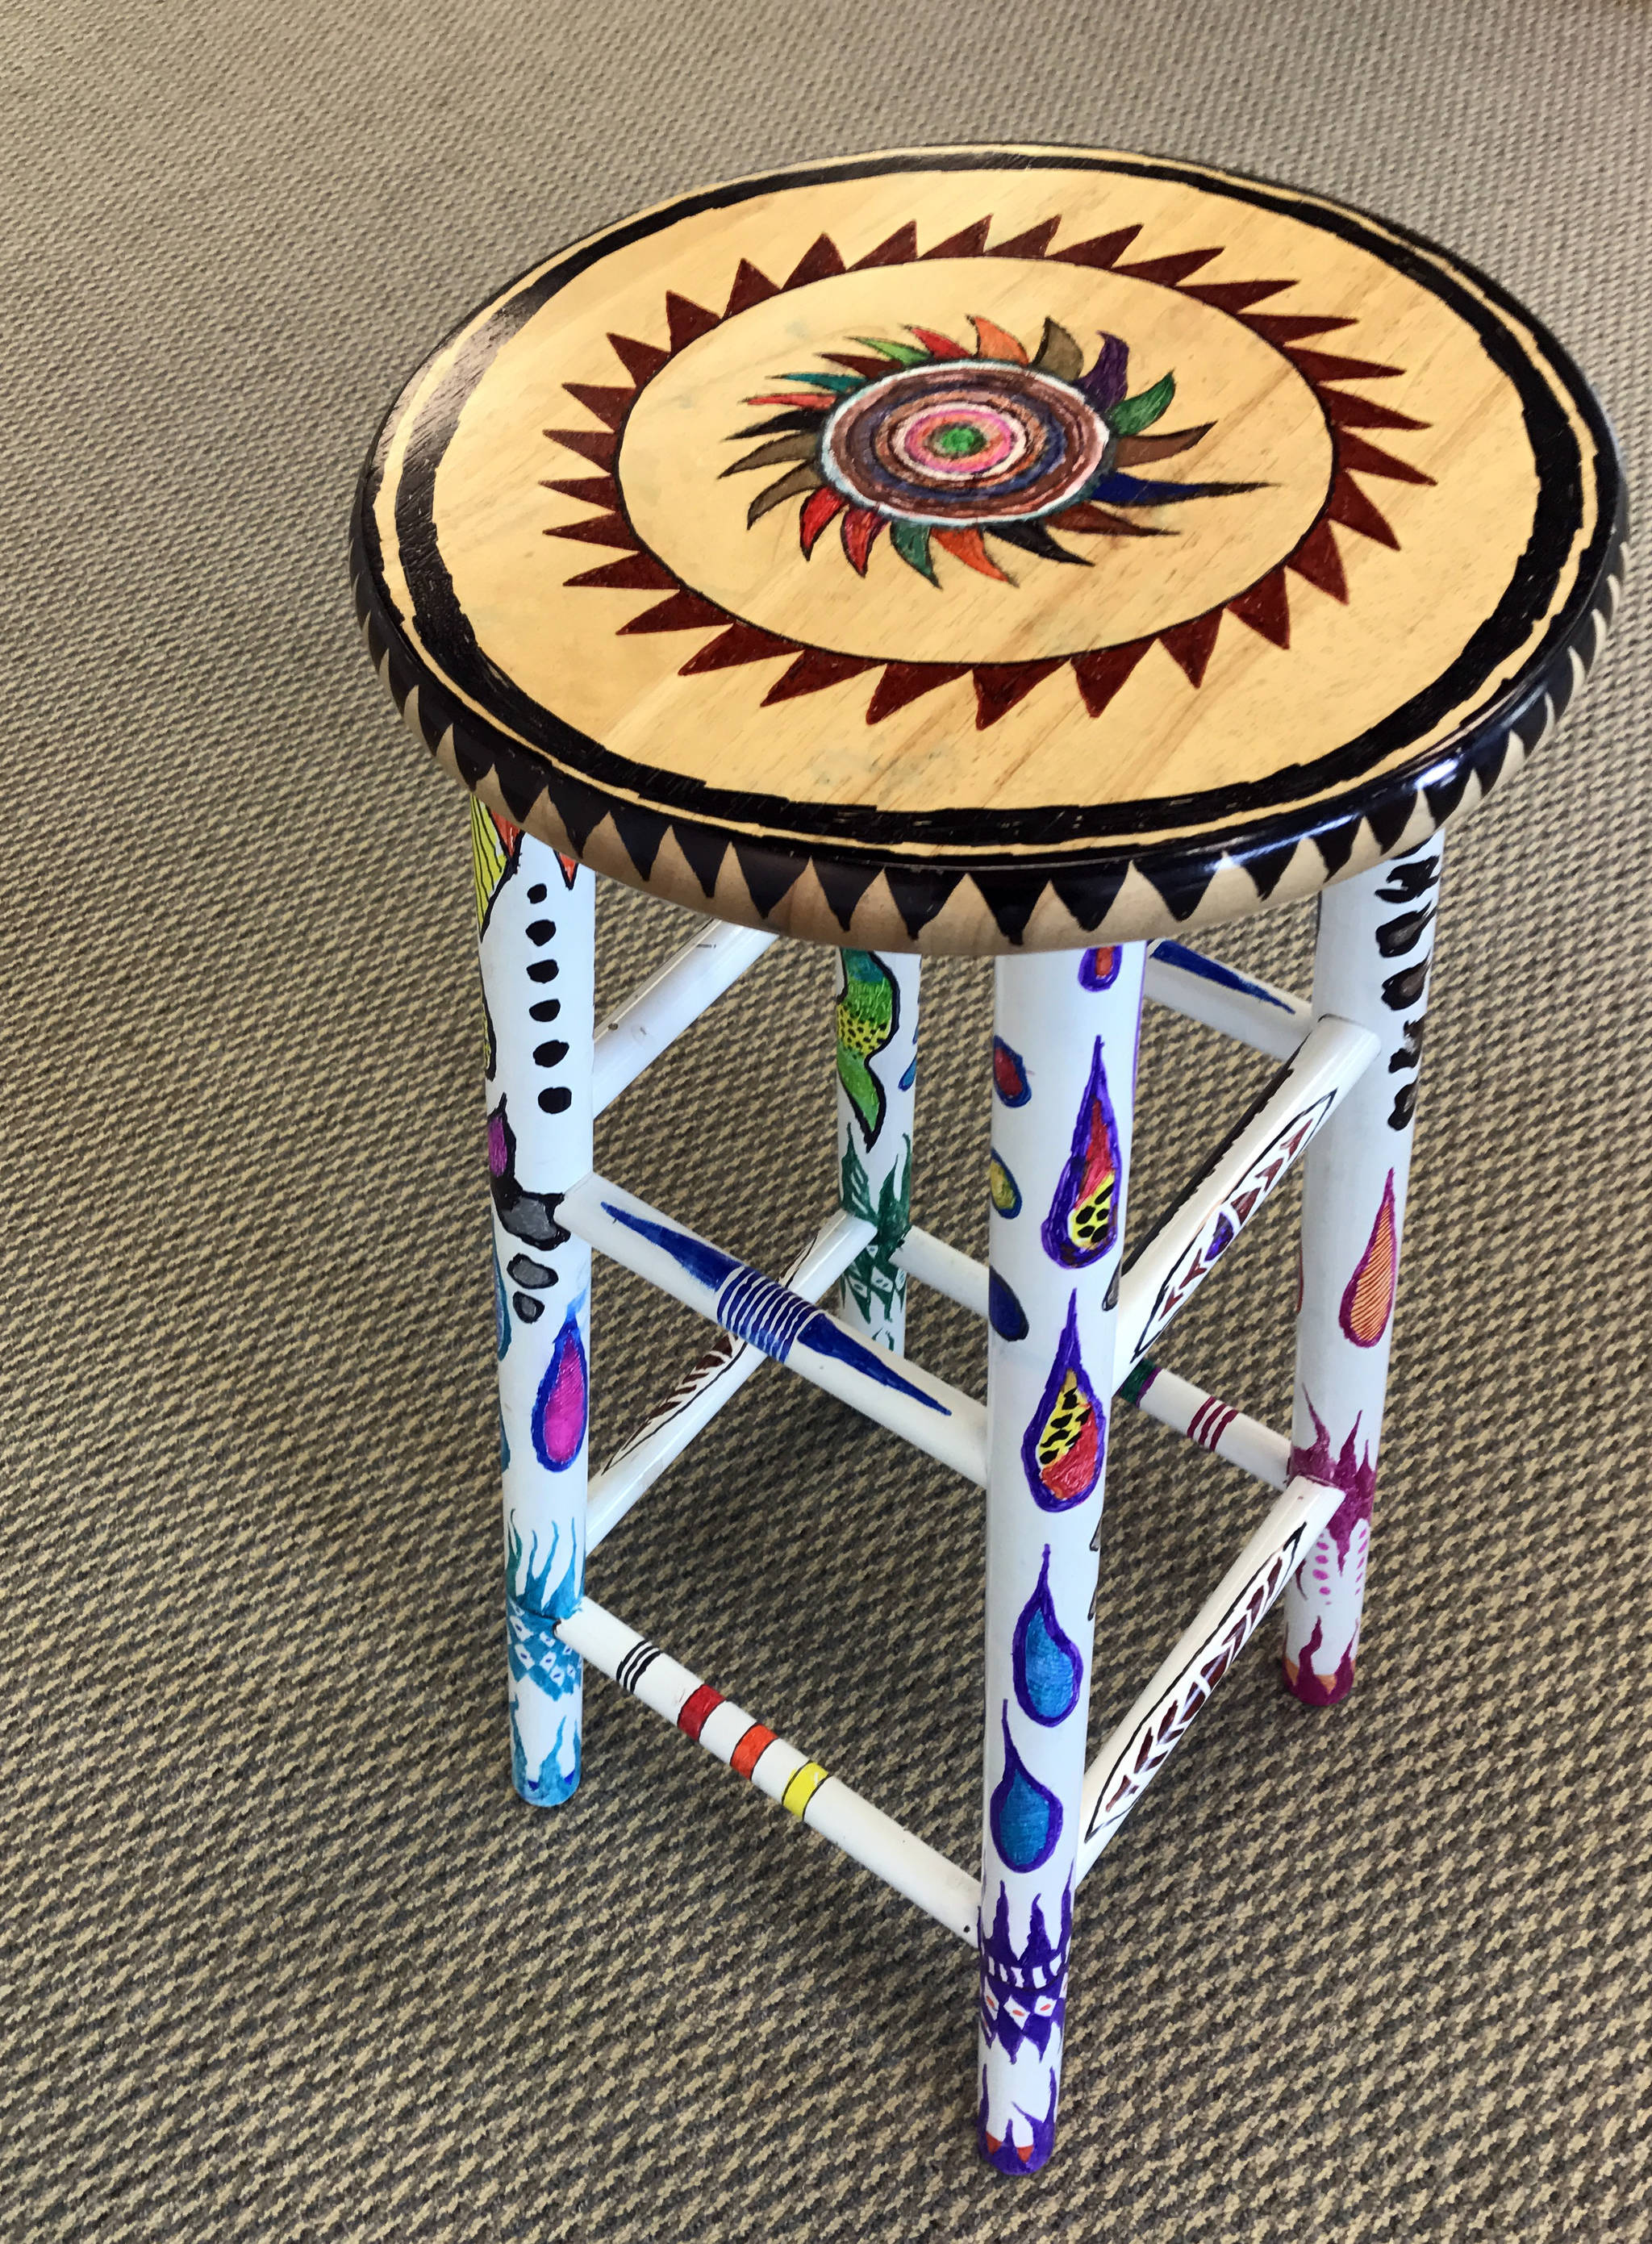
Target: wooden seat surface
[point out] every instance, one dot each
(977, 547)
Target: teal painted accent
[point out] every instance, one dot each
(550, 1784)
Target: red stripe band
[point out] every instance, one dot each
(696, 1706)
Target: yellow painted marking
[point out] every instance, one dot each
(803, 1789)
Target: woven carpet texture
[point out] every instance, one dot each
(283, 1956)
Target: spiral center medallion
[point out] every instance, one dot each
(964, 442)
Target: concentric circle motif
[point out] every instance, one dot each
(991, 458)
(963, 443)
(953, 444)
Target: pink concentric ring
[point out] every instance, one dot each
(1006, 440)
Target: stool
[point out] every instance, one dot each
(1022, 551)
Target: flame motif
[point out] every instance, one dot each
(495, 846)
(1368, 1298)
(559, 1406)
(1006, 1193)
(1003, 1311)
(1063, 1447)
(1025, 1817)
(1009, 1075)
(1098, 970)
(1083, 1222)
(1048, 1665)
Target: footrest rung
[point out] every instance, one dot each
(825, 1802)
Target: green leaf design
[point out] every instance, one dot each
(912, 541)
(875, 1285)
(1132, 415)
(904, 353)
(853, 1190)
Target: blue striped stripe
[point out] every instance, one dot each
(758, 1309)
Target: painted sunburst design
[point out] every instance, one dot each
(944, 447)
(1263, 607)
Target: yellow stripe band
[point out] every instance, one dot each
(803, 1789)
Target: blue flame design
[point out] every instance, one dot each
(1025, 1817)
(1048, 1665)
(1004, 1313)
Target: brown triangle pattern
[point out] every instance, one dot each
(970, 242)
(641, 360)
(595, 490)
(1170, 272)
(999, 687)
(901, 249)
(686, 322)
(1034, 243)
(818, 262)
(1266, 608)
(1103, 250)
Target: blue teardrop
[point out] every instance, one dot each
(1048, 1665)
(1026, 1819)
(1004, 1313)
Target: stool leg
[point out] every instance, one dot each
(876, 1087)
(1064, 1061)
(1370, 965)
(535, 910)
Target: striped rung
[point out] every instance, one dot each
(758, 1309)
(804, 1788)
(1215, 1425)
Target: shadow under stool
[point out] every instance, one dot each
(1030, 552)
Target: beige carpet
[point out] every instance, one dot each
(283, 1957)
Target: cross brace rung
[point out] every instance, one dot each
(1229, 1617)
(710, 1383)
(1253, 1012)
(670, 1001)
(941, 1420)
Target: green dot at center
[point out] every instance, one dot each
(956, 440)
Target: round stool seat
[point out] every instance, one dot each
(978, 548)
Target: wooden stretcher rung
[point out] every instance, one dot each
(1253, 1012)
(1215, 1425)
(673, 999)
(1229, 1617)
(806, 1789)
(710, 1383)
(939, 1419)
(942, 1268)
(1162, 1274)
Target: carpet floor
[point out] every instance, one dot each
(282, 1956)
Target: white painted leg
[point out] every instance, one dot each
(1376, 940)
(1063, 1098)
(535, 910)
(876, 1080)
